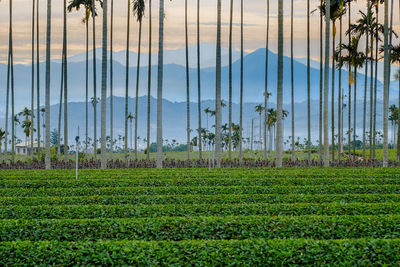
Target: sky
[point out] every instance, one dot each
(254, 26)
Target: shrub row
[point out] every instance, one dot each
(356, 252)
(202, 228)
(195, 182)
(203, 173)
(204, 190)
(200, 199)
(184, 210)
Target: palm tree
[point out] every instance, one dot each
(353, 59)
(266, 94)
(279, 100)
(149, 85)
(130, 118)
(320, 81)
(94, 14)
(395, 58)
(160, 84)
(326, 84)
(138, 9)
(104, 89)
(38, 80)
(111, 82)
(128, 24)
(259, 109)
(199, 81)
(218, 139)
(292, 67)
(187, 82)
(2, 135)
(26, 124)
(47, 102)
(241, 84)
(33, 76)
(230, 81)
(386, 82)
(65, 74)
(308, 87)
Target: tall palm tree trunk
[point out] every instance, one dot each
(308, 87)
(375, 77)
(60, 106)
(398, 121)
(340, 103)
(365, 88)
(218, 139)
(386, 86)
(326, 84)
(355, 115)
(7, 96)
(38, 82)
(333, 89)
(11, 67)
(47, 113)
(32, 78)
(128, 24)
(104, 89)
(187, 83)
(94, 80)
(349, 99)
(292, 75)
(321, 83)
(266, 86)
(137, 90)
(279, 99)
(111, 82)
(199, 82)
(149, 86)
(230, 82)
(160, 84)
(241, 88)
(371, 98)
(65, 55)
(87, 89)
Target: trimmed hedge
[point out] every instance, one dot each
(205, 190)
(215, 228)
(137, 211)
(200, 199)
(359, 252)
(98, 183)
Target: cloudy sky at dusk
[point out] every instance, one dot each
(254, 16)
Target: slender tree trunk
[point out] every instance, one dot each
(355, 115)
(279, 99)
(386, 86)
(376, 78)
(111, 82)
(321, 83)
(218, 139)
(340, 103)
(104, 89)
(7, 93)
(32, 78)
(149, 86)
(398, 121)
(11, 60)
(230, 82)
(365, 88)
(137, 89)
(160, 85)
(333, 89)
(94, 80)
(241, 87)
(38, 81)
(308, 87)
(47, 113)
(128, 24)
(60, 106)
(326, 84)
(266, 86)
(371, 98)
(349, 100)
(292, 73)
(199, 81)
(87, 89)
(65, 83)
(187, 84)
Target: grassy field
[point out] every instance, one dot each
(187, 217)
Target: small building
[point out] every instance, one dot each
(24, 148)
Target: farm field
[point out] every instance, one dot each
(335, 216)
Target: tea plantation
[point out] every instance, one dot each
(187, 217)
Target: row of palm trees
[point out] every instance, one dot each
(344, 54)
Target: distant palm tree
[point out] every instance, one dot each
(128, 24)
(259, 109)
(149, 85)
(218, 139)
(47, 102)
(187, 83)
(138, 10)
(130, 119)
(199, 81)
(160, 84)
(279, 101)
(2, 135)
(395, 58)
(104, 89)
